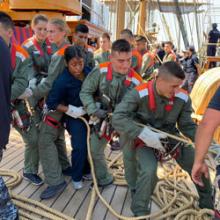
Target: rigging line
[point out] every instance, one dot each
(190, 26)
(92, 10)
(196, 22)
(132, 18)
(129, 7)
(163, 19)
(143, 32)
(176, 43)
(186, 19)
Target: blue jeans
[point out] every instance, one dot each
(78, 132)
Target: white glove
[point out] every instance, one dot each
(43, 80)
(152, 139)
(32, 83)
(75, 112)
(26, 94)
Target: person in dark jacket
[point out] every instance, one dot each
(64, 97)
(213, 38)
(7, 208)
(191, 68)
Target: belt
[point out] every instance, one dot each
(51, 121)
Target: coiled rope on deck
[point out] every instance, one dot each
(28, 208)
(173, 194)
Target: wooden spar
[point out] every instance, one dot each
(142, 16)
(181, 24)
(120, 21)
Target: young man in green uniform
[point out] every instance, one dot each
(81, 39)
(161, 104)
(107, 84)
(103, 53)
(136, 56)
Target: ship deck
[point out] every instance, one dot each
(71, 202)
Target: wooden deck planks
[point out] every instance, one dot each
(71, 202)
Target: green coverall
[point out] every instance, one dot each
(147, 67)
(52, 146)
(96, 83)
(30, 136)
(140, 163)
(101, 56)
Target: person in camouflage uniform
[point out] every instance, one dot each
(8, 211)
(109, 82)
(102, 54)
(52, 146)
(161, 104)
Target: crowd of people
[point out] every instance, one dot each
(116, 88)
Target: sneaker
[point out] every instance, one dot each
(77, 184)
(51, 191)
(101, 185)
(67, 172)
(87, 177)
(33, 178)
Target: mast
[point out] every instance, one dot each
(120, 20)
(181, 23)
(142, 20)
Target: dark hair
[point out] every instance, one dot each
(121, 45)
(37, 18)
(169, 42)
(140, 38)
(81, 28)
(72, 52)
(214, 25)
(171, 68)
(6, 20)
(127, 32)
(105, 35)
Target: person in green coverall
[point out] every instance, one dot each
(52, 146)
(102, 54)
(22, 120)
(161, 104)
(107, 84)
(40, 52)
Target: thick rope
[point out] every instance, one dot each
(172, 193)
(28, 207)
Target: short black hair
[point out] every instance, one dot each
(121, 45)
(140, 38)
(214, 25)
(6, 20)
(72, 52)
(128, 32)
(169, 42)
(171, 68)
(81, 28)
